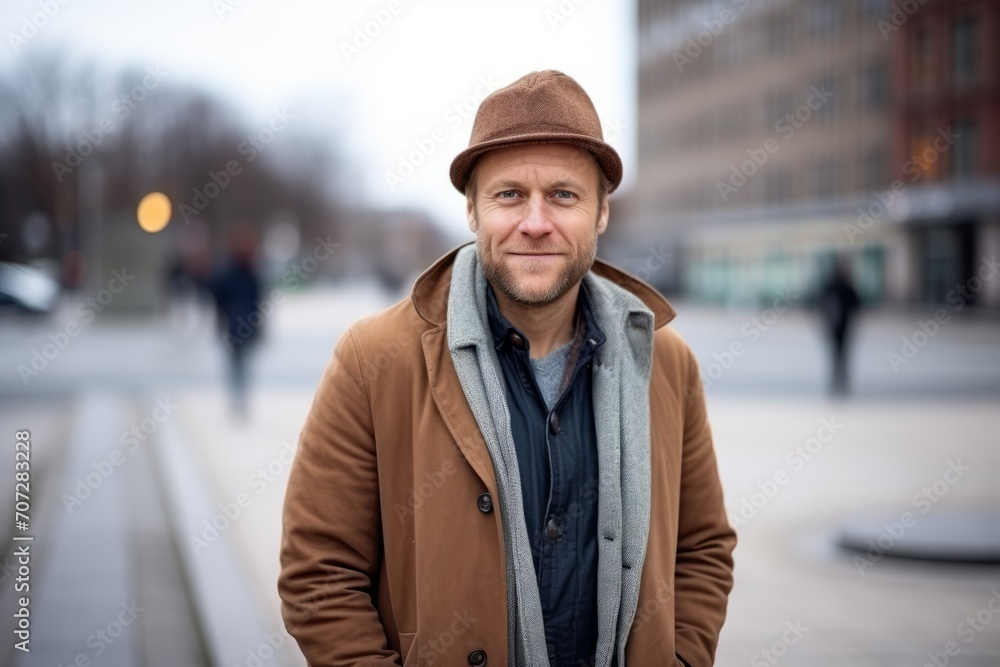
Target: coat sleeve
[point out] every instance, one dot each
(705, 539)
(331, 525)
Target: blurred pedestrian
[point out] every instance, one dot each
(838, 304)
(235, 289)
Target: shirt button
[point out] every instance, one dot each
(554, 423)
(477, 658)
(485, 503)
(517, 340)
(553, 531)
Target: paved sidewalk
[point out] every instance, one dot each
(244, 467)
(790, 484)
(104, 585)
(872, 459)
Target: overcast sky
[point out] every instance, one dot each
(380, 95)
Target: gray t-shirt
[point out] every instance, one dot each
(549, 372)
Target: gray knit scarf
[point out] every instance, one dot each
(621, 372)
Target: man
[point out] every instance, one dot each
(235, 288)
(514, 466)
(838, 303)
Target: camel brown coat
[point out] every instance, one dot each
(392, 552)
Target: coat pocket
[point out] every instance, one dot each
(405, 643)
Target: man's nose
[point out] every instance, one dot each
(536, 220)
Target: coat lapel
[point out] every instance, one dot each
(446, 390)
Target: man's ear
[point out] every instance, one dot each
(470, 213)
(602, 219)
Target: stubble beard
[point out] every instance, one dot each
(497, 270)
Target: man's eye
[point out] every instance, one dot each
(563, 194)
(512, 193)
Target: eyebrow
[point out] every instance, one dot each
(513, 184)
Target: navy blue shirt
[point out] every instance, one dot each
(557, 461)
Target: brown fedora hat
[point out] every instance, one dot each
(545, 107)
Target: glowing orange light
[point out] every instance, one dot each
(153, 213)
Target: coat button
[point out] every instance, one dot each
(477, 658)
(517, 340)
(485, 503)
(553, 531)
(554, 423)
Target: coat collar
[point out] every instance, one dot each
(430, 290)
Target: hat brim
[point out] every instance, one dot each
(606, 156)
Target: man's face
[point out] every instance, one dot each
(536, 216)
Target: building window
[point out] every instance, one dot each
(870, 274)
(723, 49)
(777, 105)
(872, 86)
(965, 50)
(828, 108)
(873, 170)
(965, 152)
(823, 17)
(726, 123)
(940, 259)
(823, 179)
(874, 9)
(779, 35)
(777, 186)
(922, 61)
(925, 160)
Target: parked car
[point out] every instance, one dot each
(27, 288)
